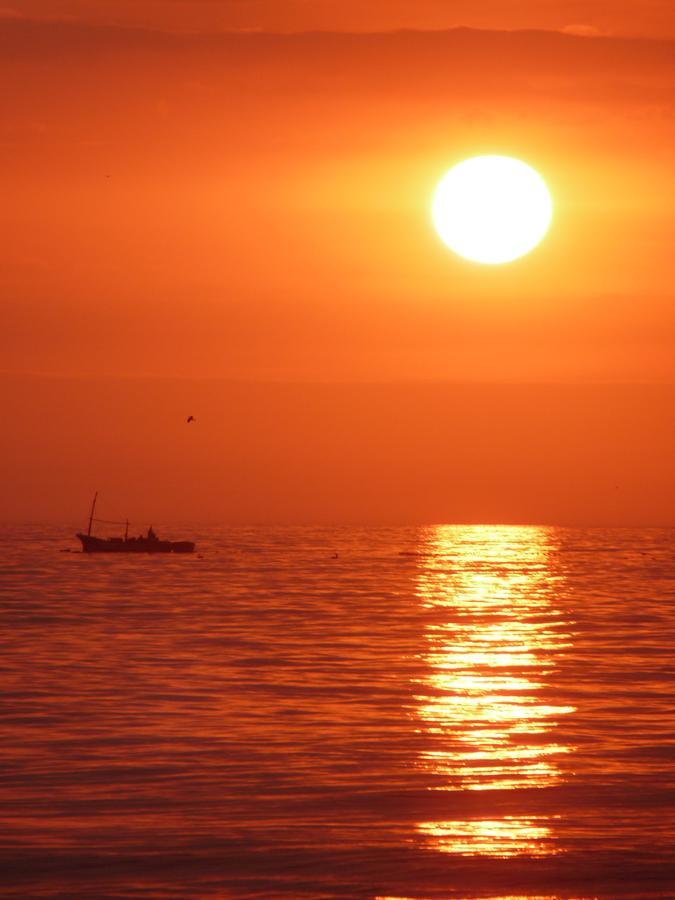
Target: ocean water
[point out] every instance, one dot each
(423, 712)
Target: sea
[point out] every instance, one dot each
(415, 712)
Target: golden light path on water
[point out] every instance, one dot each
(492, 646)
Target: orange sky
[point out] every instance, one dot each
(650, 17)
(255, 207)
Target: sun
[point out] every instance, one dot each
(492, 209)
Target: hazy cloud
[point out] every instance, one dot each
(584, 30)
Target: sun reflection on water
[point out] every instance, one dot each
(486, 704)
(505, 837)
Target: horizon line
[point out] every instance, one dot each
(288, 381)
(567, 31)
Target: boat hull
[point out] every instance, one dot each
(91, 544)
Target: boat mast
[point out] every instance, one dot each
(91, 514)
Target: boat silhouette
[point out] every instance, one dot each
(148, 543)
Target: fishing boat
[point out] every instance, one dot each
(148, 543)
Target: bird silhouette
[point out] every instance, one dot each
(191, 419)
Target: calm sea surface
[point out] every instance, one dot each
(434, 712)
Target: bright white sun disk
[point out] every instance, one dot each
(492, 209)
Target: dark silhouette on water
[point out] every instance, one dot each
(141, 544)
(191, 419)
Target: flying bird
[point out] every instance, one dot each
(191, 419)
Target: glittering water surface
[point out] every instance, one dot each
(434, 712)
